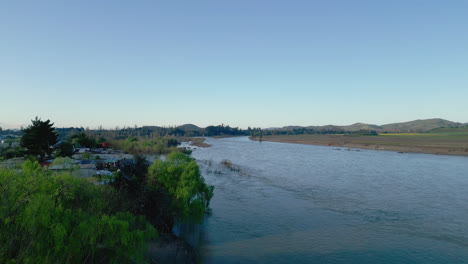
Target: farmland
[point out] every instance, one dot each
(444, 141)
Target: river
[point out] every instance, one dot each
(291, 203)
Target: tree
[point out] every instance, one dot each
(39, 138)
(65, 150)
(65, 164)
(84, 141)
(179, 175)
(101, 140)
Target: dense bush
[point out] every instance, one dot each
(83, 140)
(9, 153)
(167, 192)
(180, 177)
(157, 146)
(56, 218)
(65, 150)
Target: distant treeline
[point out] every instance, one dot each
(152, 132)
(11, 132)
(310, 131)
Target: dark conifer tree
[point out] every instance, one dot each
(39, 137)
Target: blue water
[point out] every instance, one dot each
(290, 203)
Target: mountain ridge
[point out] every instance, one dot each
(415, 126)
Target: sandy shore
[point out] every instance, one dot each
(415, 144)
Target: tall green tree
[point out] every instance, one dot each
(39, 137)
(179, 175)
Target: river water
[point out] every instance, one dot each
(291, 203)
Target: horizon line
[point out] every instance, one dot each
(19, 126)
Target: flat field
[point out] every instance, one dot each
(439, 142)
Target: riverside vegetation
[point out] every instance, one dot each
(57, 218)
(50, 216)
(53, 217)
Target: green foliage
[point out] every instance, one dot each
(83, 140)
(108, 178)
(86, 156)
(31, 166)
(39, 138)
(157, 146)
(65, 164)
(55, 218)
(132, 139)
(180, 176)
(10, 140)
(463, 130)
(172, 142)
(9, 153)
(363, 133)
(222, 130)
(65, 150)
(101, 140)
(150, 133)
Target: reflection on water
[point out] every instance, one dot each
(283, 203)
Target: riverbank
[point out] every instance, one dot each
(414, 143)
(228, 136)
(169, 248)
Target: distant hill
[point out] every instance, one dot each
(291, 127)
(416, 126)
(150, 127)
(326, 127)
(361, 126)
(452, 130)
(188, 127)
(420, 125)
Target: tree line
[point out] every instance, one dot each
(311, 131)
(151, 132)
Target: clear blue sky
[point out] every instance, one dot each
(242, 63)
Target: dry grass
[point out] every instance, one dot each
(405, 142)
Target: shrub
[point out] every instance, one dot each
(180, 177)
(56, 218)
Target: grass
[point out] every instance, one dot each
(449, 130)
(441, 136)
(402, 134)
(451, 143)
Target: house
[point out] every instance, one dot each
(82, 150)
(46, 163)
(87, 170)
